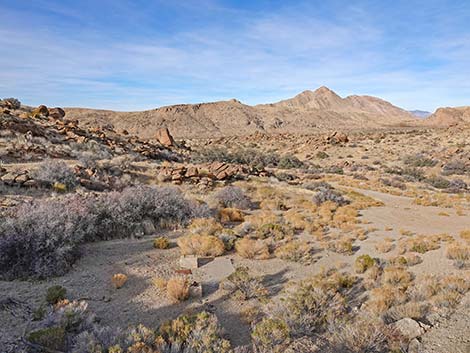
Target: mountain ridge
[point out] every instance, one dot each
(307, 112)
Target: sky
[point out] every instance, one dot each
(135, 54)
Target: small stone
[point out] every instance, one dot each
(189, 261)
(409, 328)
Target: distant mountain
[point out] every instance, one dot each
(308, 112)
(420, 113)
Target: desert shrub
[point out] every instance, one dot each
(229, 238)
(317, 186)
(177, 289)
(363, 334)
(161, 243)
(205, 226)
(10, 103)
(396, 276)
(297, 251)
(119, 280)
(233, 196)
(199, 333)
(55, 294)
(409, 259)
(270, 335)
(73, 328)
(456, 186)
(363, 263)
(252, 249)
(308, 308)
(248, 156)
(41, 238)
(456, 166)
(201, 245)
(438, 182)
(384, 246)
(329, 195)
(342, 246)
(460, 253)
(420, 244)
(120, 214)
(243, 285)
(52, 171)
(322, 155)
(276, 231)
(419, 160)
(289, 161)
(465, 235)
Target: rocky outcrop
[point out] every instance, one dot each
(206, 174)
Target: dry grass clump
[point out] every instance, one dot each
(263, 217)
(177, 289)
(161, 243)
(160, 283)
(227, 215)
(252, 249)
(460, 253)
(296, 251)
(396, 276)
(384, 246)
(420, 244)
(409, 259)
(276, 231)
(342, 246)
(383, 298)
(118, 280)
(297, 219)
(465, 235)
(363, 263)
(201, 245)
(205, 226)
(243, 285)
(345, 217)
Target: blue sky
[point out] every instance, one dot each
(136, 54)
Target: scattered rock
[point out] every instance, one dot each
(41, 110)
(189, 261)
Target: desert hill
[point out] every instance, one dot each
(444, 117)
(308, 112)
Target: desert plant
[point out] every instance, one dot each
(55, 294)
(56, 172)
(329, 195)
(363, 263)
(177, 289)
(252, 249)
(227, 215)
(276, 231)
(118, 280)
(419, 160)
(289, 161)
(297, 251)
(161, 243)
(233, 197)
(201, 245)
(271, 335)
(243, 285)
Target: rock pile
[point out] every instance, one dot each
(207, 173)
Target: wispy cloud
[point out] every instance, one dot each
(125, 55)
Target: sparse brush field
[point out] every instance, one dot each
(362, 246)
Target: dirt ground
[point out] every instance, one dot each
(140, 301)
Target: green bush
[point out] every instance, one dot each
(55, 294)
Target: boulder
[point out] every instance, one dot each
(189, 261)
(41, 110)
(56, 113)
(409, 328)
(164, 137)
